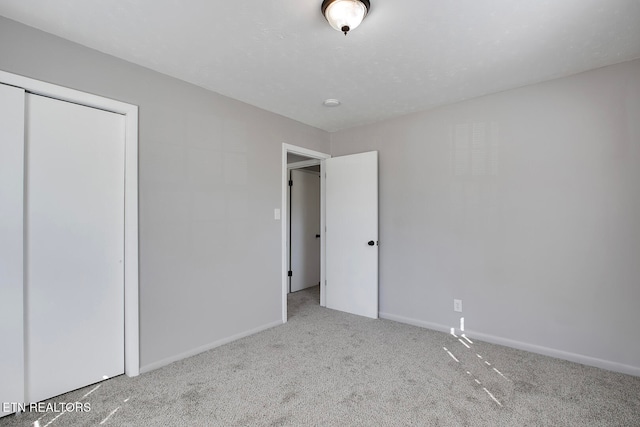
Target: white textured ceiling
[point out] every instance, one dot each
(408, 55)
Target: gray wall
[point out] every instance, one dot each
(524, 204)
(210, 176)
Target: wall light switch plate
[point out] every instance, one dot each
(276, 214)
(457, 305)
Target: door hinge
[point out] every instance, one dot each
(290, 273)
(290, 183)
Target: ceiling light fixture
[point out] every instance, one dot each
(345, 15)
(331, 102)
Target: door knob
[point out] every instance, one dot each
(371, 243)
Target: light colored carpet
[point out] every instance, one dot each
(326, 368)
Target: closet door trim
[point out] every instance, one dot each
(131, 319)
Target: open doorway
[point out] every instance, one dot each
(302, 222)
(303, 235)
(304, 226)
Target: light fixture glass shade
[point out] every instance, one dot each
(345, 15)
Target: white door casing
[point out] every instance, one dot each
(74, 246)
(352, 233)
(316, 155)
(305, 226)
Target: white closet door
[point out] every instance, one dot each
(74, 221)
(11, 267)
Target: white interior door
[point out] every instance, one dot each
(305, 226)
(11, 249)
(74, 223)
(352, 233)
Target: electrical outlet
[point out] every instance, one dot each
(457, 305)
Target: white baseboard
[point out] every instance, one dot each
(206, 347)
(559, 354)
(415, 322)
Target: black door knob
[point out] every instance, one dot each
(371, 243)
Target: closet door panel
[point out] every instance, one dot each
(74, 217)
(11, 248)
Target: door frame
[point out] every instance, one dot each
(130, 112)
(293, 149)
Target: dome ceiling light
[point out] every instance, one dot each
(345, 15)
(331, 102)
